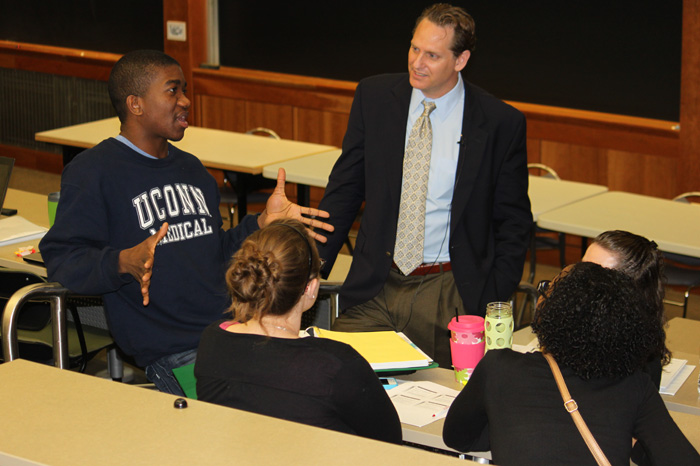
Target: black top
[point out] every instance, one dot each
(314, 381)
(512, 406)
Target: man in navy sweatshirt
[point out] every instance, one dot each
(138, 222)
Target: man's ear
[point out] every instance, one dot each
(462, 60)
(133, 103)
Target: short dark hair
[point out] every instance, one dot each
(133, 74)
(641, 260)
(594, 321)
(446, 15)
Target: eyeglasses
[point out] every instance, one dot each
(542, 287)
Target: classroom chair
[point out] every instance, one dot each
(525, 297)
(540, 238)
(35, 321)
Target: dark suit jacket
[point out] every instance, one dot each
(490, 220)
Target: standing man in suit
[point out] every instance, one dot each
(453, 242)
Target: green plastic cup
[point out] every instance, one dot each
(53, 204)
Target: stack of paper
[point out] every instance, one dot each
(383, 350)
(673, 376)
(15, 229)
(420, 403)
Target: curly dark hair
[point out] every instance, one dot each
(270, 271)
(594, 321)
(641, 260)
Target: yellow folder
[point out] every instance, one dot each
(383, 350)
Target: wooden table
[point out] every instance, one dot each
(242, 153)
(547, 194)
(673, 225)
(312, 170)
(61, 418)
(33, 207)
(683, 335)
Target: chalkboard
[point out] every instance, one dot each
(617, 56)
(99, 25)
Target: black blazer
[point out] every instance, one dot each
(490, 220)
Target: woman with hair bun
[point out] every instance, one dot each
(257, 362)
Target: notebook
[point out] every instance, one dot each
(385, 350)
(6, 164)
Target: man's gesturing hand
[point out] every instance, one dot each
(138, 261)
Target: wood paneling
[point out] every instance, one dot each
(320, 126)
(220, 113)
(534, 150)
(688, 168)
(262, 86)
(575, 163)
(57, 60)
(605, 130)
(36, 160)
(639, 173)
(279, 118)
(192, 52)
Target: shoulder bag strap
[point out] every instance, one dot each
(572, 408)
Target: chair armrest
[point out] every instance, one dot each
(55, 294)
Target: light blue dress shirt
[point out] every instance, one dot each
(130, 144)
(446, 121)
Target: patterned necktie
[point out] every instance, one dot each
(410, 232)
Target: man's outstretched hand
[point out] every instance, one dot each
(138, 261)
(278, 206)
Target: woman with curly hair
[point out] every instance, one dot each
(641, 260)
(257, 362)
(597, 327)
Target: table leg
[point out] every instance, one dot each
(69, 152)
(303, 195)
(241, 186)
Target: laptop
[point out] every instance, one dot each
(6, 164)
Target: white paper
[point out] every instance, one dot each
(420, 403)
(674, 375)
(16, 228)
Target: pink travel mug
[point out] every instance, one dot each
(467, 345)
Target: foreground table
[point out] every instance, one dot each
(431, 434)
(60, 418)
